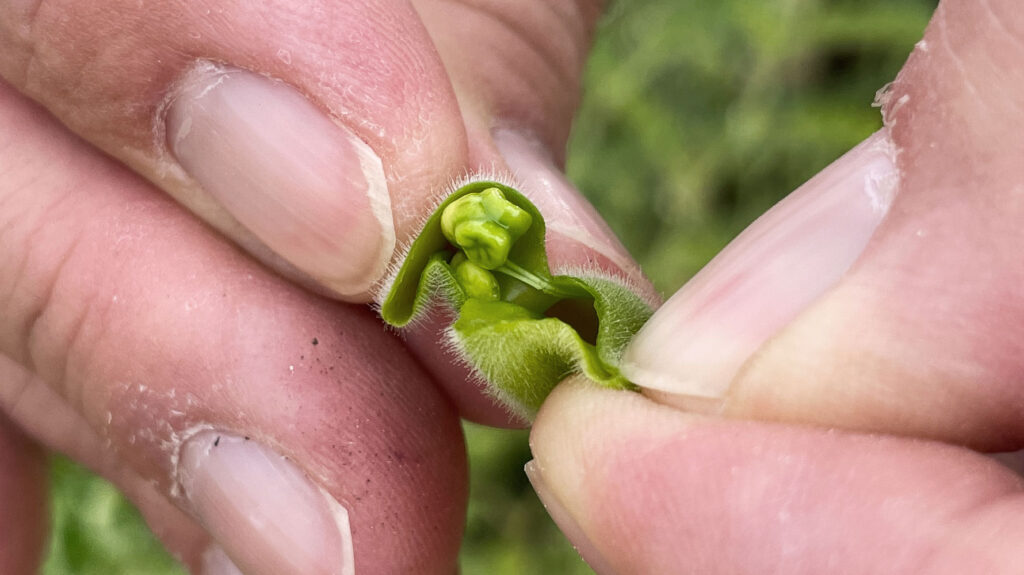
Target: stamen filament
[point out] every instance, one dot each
(531, 279)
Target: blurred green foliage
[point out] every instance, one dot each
(697, 116)
(96, 531)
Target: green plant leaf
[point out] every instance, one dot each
(519, 327)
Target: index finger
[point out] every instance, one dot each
(313, 134)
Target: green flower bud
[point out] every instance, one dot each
(485, 225)
(477, 282)
(508, 215)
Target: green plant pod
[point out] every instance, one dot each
(520, 328)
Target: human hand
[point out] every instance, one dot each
(241, 414)
(370, 110)
(829, 383)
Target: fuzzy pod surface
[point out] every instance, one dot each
(519, 327)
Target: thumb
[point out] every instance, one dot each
(884, 295)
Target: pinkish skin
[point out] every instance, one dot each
(653, 489)
(921, 338)
(933, 310)
(789, 257)
(182, 331)
(406, 112)
(836, 316)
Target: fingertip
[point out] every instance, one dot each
(582, 437)
(565, 521)
(654, 491)
(697, 343)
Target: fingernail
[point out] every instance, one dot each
(261, 509)
(565, 521)
(566, 212)
(695, 345)
(217, 562)
(307, 187)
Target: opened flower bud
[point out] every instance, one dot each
(485, 225)
(519, 327)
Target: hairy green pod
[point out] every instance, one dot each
(519, 327)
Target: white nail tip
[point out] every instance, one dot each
(340, 515)
(380, 205)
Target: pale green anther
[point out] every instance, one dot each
(477, 282)
(485, 225)
(505, 213)
(485, 243)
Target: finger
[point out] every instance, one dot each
(334, 449)
(310, 201)
(23, 493)
(284, 126)
(843, 306)
(643, 488)
(37, 409)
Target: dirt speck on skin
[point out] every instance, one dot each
(316, 341)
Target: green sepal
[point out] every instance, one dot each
(540, 330)
(523, 354)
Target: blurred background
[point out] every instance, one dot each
(698, 115)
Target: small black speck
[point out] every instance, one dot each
(216, 442)
(247, 438)
(316, 341)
